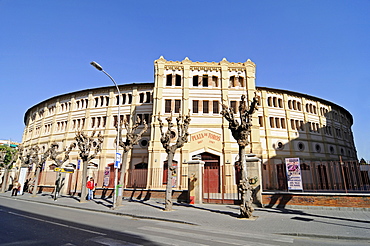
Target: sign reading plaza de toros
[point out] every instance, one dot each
(205, 139)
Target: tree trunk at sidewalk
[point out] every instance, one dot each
(5, 180)
(132, 139)
(168, 198)
(84, 181)
(245, 188)
(122, 177)
(38, 163)
(85, 145)
(7, 157)
(240, 132)
(37, 177)
(182, 138)
(59, 163)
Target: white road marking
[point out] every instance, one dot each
(112, 242)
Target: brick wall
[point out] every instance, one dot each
(326, 200)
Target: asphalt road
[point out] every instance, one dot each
(28, 223)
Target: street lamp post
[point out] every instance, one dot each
(116, 164)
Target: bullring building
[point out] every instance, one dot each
(286, 124)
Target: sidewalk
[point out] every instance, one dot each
(328, 223)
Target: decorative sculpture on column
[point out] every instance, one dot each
(241, 132)
(182, 138)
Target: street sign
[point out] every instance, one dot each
(64, 170)
(118, 160)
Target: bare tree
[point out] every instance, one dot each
(39, 162)
(85, 145)
(182, 123)
(241, 132)
(131, 140)
(59, 163)
(7, 157)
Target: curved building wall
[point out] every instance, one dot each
(59, 118)
(298, 125)
(287, 124)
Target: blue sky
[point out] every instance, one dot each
(316, 47)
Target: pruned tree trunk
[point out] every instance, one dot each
(182, 123)
(168, 201)
(7, 164)
(241, 131)
(84, 181)
(245, 188)
(132, 139)
(5, 180)
(37, 177)
(85, 145)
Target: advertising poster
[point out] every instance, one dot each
(106, 176)
(293, 174)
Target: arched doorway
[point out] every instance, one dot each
(211, 177)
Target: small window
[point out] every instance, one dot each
(141, 97)
(178, 80)
(195, 106)
(301, 146)
(299, 106)
(269, 101)
(272, 122)
(233, 106)
(215, 107)
(169, 80)
(283, 123)
(290, 104)
(215, 81)
(280, 101)
(206, 107)
(241, 81)
(260, 121)
(277, 122)
(275, 101)
(195, 80)
(129, 98)
(331, 149)
(167, 106)
(318, 148)
(205, 81)
(292, 124)
(279, 146)
(147, 97)
(177, 106)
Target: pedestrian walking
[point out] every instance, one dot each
(90, 188)
(26, 184)
(15, 188)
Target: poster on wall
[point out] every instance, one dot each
(293, 174)
(106, 176)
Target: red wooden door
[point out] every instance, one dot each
(211, 178)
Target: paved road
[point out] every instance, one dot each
(41, 221)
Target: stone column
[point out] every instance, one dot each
(195, 181)
(255, 178)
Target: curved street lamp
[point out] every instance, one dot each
(116, 164)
